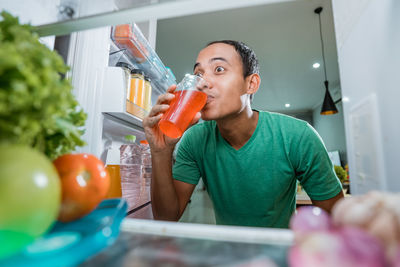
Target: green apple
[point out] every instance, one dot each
(30, 196)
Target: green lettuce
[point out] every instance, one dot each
(37, 107)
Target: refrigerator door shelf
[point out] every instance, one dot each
(136, 48)
(129, 118)
(160, 243)
(114, 99)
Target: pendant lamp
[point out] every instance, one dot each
(328, 106)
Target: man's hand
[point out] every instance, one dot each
(157, 140)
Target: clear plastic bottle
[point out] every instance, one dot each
(131, 171)
(146, 170)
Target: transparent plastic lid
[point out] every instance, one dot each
(137, 71)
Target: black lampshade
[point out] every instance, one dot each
(328, 106)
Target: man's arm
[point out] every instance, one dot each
(328, 204)
(315, 171)
(169, 197)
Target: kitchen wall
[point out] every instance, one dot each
(368, 41)
(331, 130)
(46, 11)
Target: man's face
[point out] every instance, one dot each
(221, 66)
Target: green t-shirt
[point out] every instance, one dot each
(256, 185)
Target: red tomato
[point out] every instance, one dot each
(84, 183)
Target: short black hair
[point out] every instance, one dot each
(248, 56)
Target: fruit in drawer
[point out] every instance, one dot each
(84, 182)
(30, 195)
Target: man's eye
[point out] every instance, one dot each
(219, 69)
(198, 74)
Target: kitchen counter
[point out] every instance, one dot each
(157, 243)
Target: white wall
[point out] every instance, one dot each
(368, 41)
(34, 12)
(331, 130)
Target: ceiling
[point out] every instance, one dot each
(285, 37)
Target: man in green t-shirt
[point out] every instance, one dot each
(249, 160)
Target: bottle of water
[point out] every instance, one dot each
(131, 171)
(146, 170)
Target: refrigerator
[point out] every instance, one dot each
(368, 61)
(103, 90)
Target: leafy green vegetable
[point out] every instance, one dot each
(37, 107)
(340, 173)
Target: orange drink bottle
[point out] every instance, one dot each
(115, 190)
(113, 169)
(189, 99)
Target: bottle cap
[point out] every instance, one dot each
(144, 142)
(124, 65)
(130, 138)
(137, 71)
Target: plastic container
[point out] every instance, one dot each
(127, 69)
(113, 168)
(137, 48)
(189, 99)
(136, 91)
(131, 171)
(128, 84)
(147, 93)
(135, 94)
(70, 244)
(124, 38)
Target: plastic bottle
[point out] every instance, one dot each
(113, 168)
(131, 171)
(146, 171)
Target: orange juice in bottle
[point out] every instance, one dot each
(113, 168)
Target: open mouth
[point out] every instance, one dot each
(209, 99)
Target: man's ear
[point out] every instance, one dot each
(254, 81)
